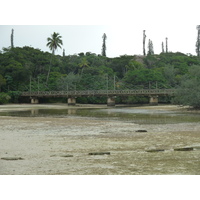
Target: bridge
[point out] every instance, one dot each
(153, 94)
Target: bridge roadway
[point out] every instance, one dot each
(111, 94)
(88, 93)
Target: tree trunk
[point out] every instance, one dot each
(49, 69)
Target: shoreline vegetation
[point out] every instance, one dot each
(29, 69)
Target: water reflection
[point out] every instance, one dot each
(34, 112)
(49, 112)
(132, 115)
(72, 111)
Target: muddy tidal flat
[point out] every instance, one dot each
(89, 145)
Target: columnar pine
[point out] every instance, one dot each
(198, 41)
(150, 48)
(144, 39)
(103, 51)
(63, 52)
(12, 38)
(163, 51)
(166, 45)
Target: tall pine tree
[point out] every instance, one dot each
(12, 38)
(163, 51)
(198, 41)
(144, 39)
(103, 51)
(150, 48)
(166, 45)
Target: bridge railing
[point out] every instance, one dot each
(77, 93)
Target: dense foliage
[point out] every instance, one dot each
(22, 69)
(189, 90)
(4, 98)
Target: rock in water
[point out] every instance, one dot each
(184, 149)
(141, 131)
(99, 153)
(155, 150)
(66, 156)
(12, 158)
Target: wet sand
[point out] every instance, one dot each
(61, 146)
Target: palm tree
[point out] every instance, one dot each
(84, 63)
(53, 43)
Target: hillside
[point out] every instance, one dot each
(22, 68)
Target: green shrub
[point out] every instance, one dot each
(4, 98)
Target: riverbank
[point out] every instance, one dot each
(48, 145)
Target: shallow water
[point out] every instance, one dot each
(41, 133)
(129, 114)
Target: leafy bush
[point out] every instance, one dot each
(189, 91)
(4, 98)
(14, 96)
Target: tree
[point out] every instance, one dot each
(142, 77)
(189, 91)
(170, 74)
(104, 45)
(144, 38)
(68, 82)
(12, 39)
(198, 41)
(53, 43)
(150, 48)
(4, 98)
(84, 63)
(166, 44)
(2, 81)
(163, 51)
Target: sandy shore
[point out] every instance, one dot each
(47, 145)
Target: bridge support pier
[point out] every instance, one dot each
(153, 100)
(111, 101)
(34, 100)
(71, 101)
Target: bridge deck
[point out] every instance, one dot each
(88, 93)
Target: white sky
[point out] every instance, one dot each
(121, 39)
(82, 24)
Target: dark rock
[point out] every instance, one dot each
(99, 153)
(66, 156)
(12, 158)
(184, 149)
(141, 131)
(155, 150)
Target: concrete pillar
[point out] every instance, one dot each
(34, 100)
(111, 101)
(71, 101)
(153, 100)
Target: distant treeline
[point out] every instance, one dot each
(22, 69)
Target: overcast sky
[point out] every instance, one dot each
(85, 22)
(122, 39)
